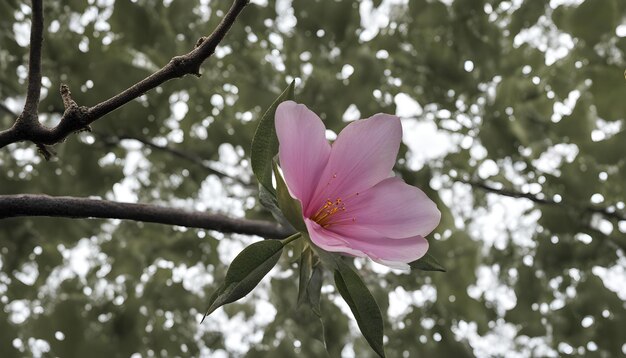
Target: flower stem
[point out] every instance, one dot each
(291, 238)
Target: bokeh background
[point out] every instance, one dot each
(513, 115)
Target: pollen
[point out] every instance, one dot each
(327, 214)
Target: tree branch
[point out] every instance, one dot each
(78, 118)
(34, 62)
(515, 194)
(28, 120)
(79, 208)
(190, 157)
(506, 192)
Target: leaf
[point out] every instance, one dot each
(312, 320)
(311, 278)
(427, 263)
(246, 271)
(314, 289)
(306, 268)
(363, 305)
(309, 293)
(269, 201)
(265, 142)
(290, 207)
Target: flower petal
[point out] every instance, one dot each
(303, 148)
(363, 155)
(395, 253)
(329, 240)
(390, 209)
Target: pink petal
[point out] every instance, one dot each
(303, 149)
(390, 209)
(363, 155)
(395, 253)
(328, 240)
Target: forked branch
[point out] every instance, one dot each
(77, 118)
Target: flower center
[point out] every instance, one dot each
(327, 214)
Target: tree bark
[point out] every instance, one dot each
(81, 208)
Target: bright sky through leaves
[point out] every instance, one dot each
(513, 119)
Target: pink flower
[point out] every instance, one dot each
(350, 202)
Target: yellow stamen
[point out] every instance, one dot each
(324, 216)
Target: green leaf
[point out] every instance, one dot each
(306, 269)
(269, 201)
(311, 278)
(265, 142)
(363, 305)
(314, 289)
(246, 271)
(315, 326)
(290, 207)
(309, 294)
(427, 263)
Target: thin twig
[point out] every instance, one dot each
(79, 208)
(78, 118)
(606, 212)
(190, 157)
(481, 185)
(515, 194)
(506, 192)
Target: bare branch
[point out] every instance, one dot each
(515, 194)
(34, 62)
(9, 136)
(509, 193)
(190, 157)
(606, 212)
(28, 120)
(79, 208)
(78, 118)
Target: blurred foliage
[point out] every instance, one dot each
(520, 81)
